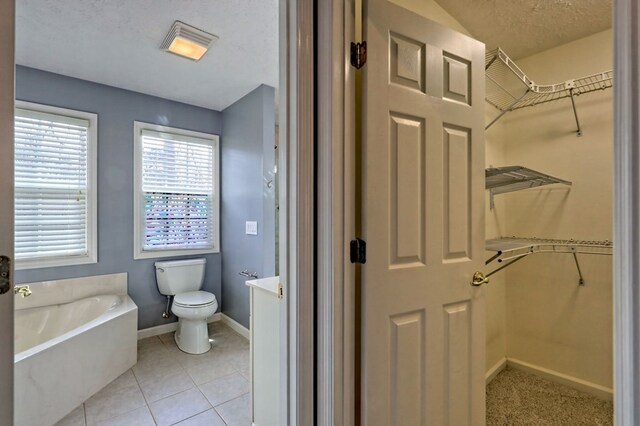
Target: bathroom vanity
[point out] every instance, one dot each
(265, 350)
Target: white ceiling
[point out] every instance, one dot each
(116, 42)
(525, 27)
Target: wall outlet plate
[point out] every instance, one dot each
(251, 228)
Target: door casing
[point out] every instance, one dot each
(297, 178)
(7, 34)
(626, 219)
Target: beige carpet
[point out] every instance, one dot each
(518, 398)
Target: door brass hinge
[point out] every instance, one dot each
(358, 54)
(5, 274)
(280, 291)
(358, 251)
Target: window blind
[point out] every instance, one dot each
(51, 184)
(177, 190)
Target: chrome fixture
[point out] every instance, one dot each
(22, 290)
(248, 274)
(165, 314)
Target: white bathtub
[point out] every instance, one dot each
(72, 338)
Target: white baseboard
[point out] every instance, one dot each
(236, 326)
(169, 328)
(555, 376)
(495, 370)
(173, 326)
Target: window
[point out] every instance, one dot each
(176, 196)
(55, 186)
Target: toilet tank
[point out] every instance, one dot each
(180, 276)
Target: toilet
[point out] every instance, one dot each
(183, 279)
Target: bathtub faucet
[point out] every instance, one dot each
(22, 290)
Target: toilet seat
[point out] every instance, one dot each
(194, 299)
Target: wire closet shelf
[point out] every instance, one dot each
(508, 88)
(509, 250)
(500, 180)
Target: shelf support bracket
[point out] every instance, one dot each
(575, 113)
(486, 67)
(506, 110)
(492, 258)
(505, 265)
(575, 258)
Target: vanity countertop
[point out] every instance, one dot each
(269, 284)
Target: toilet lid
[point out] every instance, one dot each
(194, 298)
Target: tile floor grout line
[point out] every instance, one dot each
(193, 415)
(220, 415)
(233, 399)
(221, 377)
(123, 413)
(143, 395)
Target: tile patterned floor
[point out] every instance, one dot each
(169, 387)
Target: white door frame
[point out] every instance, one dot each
(626, 187)
(336, 214)
(296, 152)
(7, 24)
(335, 311)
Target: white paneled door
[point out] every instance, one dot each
(423, 331)
(6, 207)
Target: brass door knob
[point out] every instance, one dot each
(479, 279)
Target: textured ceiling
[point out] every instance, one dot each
(116, 42)
(525, 27)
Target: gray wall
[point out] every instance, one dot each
(117, 109)
(247, 160)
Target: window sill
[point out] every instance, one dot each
(23, 264)
(138, 255)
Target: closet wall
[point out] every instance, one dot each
(496, 224)
(552, 324)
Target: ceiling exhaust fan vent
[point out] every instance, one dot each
(187, 41)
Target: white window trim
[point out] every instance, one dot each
(92, 191)
(138, 211)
